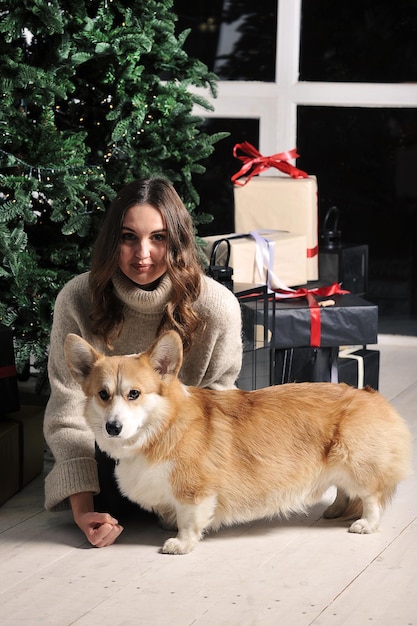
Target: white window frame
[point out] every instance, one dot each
(275, 104)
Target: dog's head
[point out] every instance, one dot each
(125, 398)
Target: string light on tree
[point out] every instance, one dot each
(79, 119)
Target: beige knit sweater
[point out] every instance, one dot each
(213, 361)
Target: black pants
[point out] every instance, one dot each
(110, 500)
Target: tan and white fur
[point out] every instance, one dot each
(201, 458)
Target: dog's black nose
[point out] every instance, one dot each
(114, 428)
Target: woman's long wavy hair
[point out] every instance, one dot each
(183, 266)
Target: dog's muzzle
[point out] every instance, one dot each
(114, 428)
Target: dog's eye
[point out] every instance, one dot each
(133, 394)
(104, 395)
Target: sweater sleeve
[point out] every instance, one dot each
(66, 432)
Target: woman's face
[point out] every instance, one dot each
(143, 246)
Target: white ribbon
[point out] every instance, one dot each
(265, 260)
(348, 354)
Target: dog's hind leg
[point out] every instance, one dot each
(192, 520)
(344, 507)
(338, 507)
(371, 515)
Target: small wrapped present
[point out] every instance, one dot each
(9, 459)
(277, 202)
(264, 256)
(8, 375)
(29, 420)
(299, 365)
(359, 368)
(347, 320)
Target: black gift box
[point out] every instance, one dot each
(31, 441)
(21, 449)
(298, 365)
(359, 368)
(9, 391)
(9, 459)
(352, 320)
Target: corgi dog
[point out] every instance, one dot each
(201, 458)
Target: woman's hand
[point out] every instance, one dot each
(101, 529)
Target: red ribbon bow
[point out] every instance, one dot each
(254, 159)
(315, 319)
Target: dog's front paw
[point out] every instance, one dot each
(176, 546)
(363, 527)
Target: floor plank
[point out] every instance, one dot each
(384, 593)
(295, 572)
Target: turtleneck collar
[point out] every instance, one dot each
(146, 301)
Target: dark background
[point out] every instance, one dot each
(365, 159)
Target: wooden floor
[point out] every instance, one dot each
(302, 571)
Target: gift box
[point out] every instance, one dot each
(297, 365)
(8, 376)
(9, 459)
(266, 255)
(280, 203)
(359, 368)
(29, 421)
(350, 320)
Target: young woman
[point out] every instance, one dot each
(145, 278)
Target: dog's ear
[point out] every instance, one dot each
(80, 357)
(166, 352)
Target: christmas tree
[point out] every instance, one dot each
(95, 93)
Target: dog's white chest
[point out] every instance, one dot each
(145, 483)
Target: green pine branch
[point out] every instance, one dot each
(94, 94)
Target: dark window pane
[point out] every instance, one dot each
(215, 187)
(234, 38)
(366, 165)
(371, 41)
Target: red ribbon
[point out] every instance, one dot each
(312, 252)
(309, 294)
(7, 371)
(254, 159)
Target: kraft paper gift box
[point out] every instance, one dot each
(281, 203)
(287, 250)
